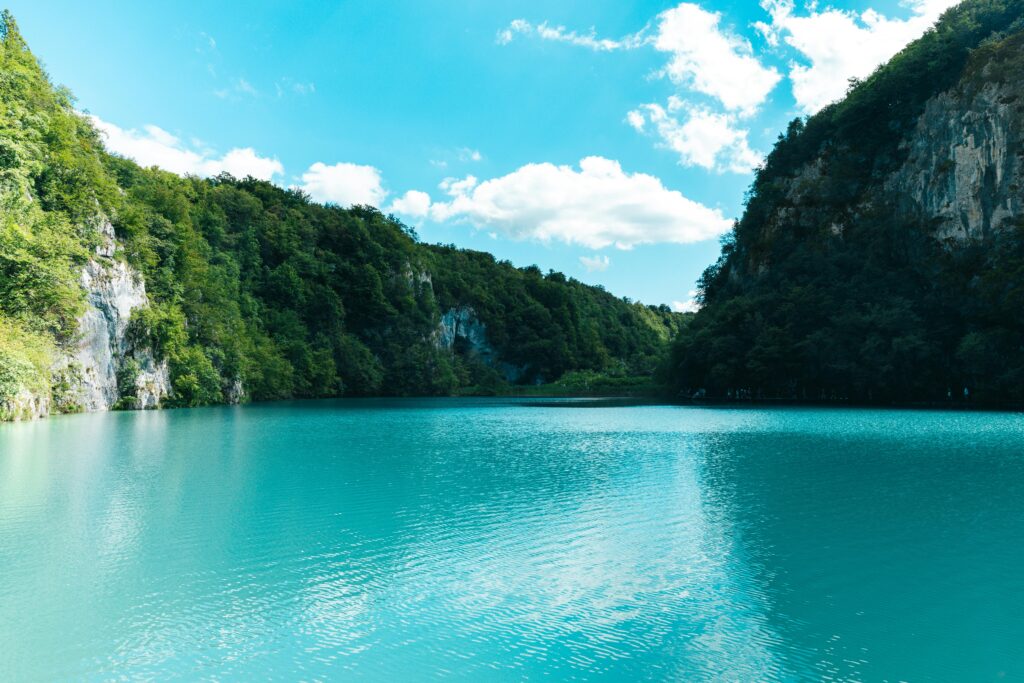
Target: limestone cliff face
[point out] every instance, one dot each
(961, 169)
(26, 405)
(461, 323)
(113, 290)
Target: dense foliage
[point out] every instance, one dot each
(52, 182)
(879, 310)
(255, 286)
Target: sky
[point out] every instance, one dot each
(609, 140)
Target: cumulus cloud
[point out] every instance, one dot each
(595, 263)
(413, 203)
(702, 138)
(344, 184)
(596, 206)
(154, 146)
(836, 45)
(711, 59)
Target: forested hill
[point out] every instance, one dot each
(124, 286)
(881, 253)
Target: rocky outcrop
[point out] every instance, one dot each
(113, 290)
(963, 169)
(461, 325)
(152, 383)
(235, 394)
(25, 405)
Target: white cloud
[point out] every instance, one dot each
(455, 187)
(706, 139)
(285, 86)
(596, 206)
(702, 55)
(838, 45)
(344, 184)
(636, 120)
(595, 263)
(688, 306)
(413, 203)
(245, 87)
(153, 146)
(467, 154)
(711, 60)
(560, 34)
(240, 88)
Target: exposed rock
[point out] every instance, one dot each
(25, 405)
(462, 323)
(108, 245)
(963, 169)
(235, 394)
(113, 290)
(153, 383)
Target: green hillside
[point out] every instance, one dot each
(252, 283)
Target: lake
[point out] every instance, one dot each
(479, 540)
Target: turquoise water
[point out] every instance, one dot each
(498, 540)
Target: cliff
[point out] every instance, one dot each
(962, 174)
(878, 258)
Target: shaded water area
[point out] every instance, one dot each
(510, 540)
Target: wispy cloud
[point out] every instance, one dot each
(245, 87)
(286, 86)
(239, 88)
(206, 42)
(560, 34)
(596, 263)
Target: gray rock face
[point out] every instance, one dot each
(113, 290)
(962, 175)
(963, 170)
(26, 405)
(235, 394)
(153, 383)
(462, 323)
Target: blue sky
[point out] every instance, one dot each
(610, 140)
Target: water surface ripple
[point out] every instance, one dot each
(510, 540)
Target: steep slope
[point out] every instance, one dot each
(135, 288)
(881, 253)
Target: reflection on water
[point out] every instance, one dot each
(475, 539)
